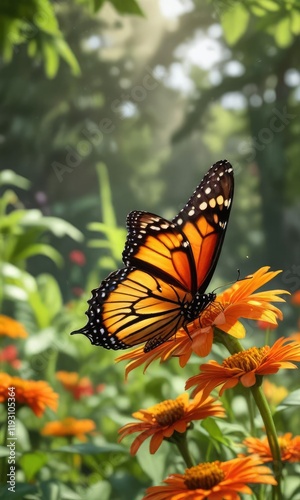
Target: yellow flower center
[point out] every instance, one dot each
(246, 360)
(204, 476)
(283, 444)
(167, 412)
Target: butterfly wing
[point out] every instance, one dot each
(203, 221)
(155, 245)
(131, 307)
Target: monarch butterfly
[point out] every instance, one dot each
(168, 266)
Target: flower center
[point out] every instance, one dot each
(167, 412)
(246, 360)
(205, 476)
(283, 444)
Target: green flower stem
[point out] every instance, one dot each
(234, 347)
(266, 415)
(231, 343)
(181, 442)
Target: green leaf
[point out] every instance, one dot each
(282, 33)
(9, 177)
(31, 463)
(12, 219)
(39, 343)
(269, 5)
(293, 399)
(13, 292)
(19, 277)
(50, 293)
(153, 465)
(91, 449)
(234, 22)
(57, 226)
(295, 21)
(257, 10)
(51, 58)
(41, 249)
(98, 4)
(108, 213)
(214, 431)
(32, 48)
(44, 18)
(102, 490)
(127, 7)
(66, 53)
(4, 451)
(51, 490)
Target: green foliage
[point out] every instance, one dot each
(114, 235)
(23, 234)
(280, 19)
(123, 7)
(35, 23)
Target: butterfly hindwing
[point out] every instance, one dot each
(131, 307)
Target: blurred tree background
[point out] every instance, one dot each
(119, 105)
(157, 91)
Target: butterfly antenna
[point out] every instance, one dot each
(238, 278)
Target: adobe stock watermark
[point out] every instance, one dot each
(11, 439)
(93, 135)
(291, 277)
(277, 123)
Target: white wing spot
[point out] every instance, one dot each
(191, 212)
(207, 190)
(203, 205)
(179, 222)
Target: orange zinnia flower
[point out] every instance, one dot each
(69, 427)
(213, 481)
(12, 328)
(289, 448)
(38, 395)
(245, 366)
(238, 301)
(163, 419)
(73, 383)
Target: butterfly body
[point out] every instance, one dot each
(168, 266)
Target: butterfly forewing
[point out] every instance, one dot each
(204, 218)
(155, 245)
